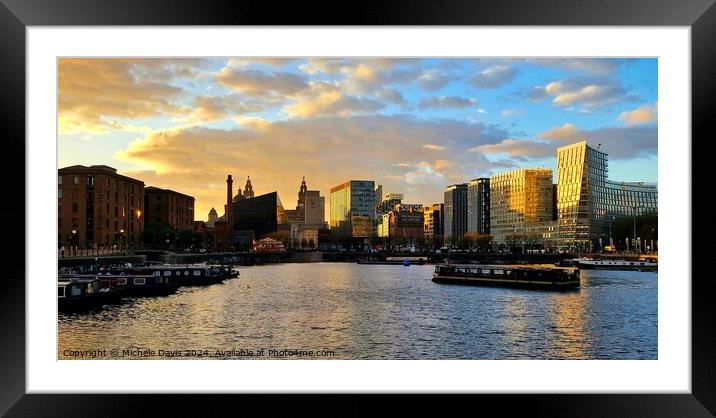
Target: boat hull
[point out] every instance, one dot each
(622, 267)
(521, 284)
(509, 276)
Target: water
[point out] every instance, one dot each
(377, 312)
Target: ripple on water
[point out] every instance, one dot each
(378, 312)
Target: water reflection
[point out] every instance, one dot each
(382, 312)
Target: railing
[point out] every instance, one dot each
(89, 252)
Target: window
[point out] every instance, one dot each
(116, 211)
(167, 273)
(75, 208)
(122, 281)
(107, 223)
(197, 273)
(139, 281)
(76, 180)
(60, 291)
(59, 193)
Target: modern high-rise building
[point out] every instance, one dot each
(353, 208)
(97, 206)
(520, 204)
(433, 220)
(587, 201)
(455, 219)
(170, 207)
(478, 206)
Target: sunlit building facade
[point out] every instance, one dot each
(98, 207)
(353, 208)
(433, 220)
(587, 201)
(169, 207)
(520, 204)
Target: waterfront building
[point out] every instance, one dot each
(433, 220)
(97, 206)
(212, 218)
(406, 221)
(388, 202)
(587, 201)
(353, 208)
(248, 189)
(478, 206)
(520, 205)
(383, 229)
(170, 207)
(261, 214)
(378, 199)
(455, 218)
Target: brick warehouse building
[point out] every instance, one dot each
(97, 206)
(170, 207)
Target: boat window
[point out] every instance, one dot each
(75, 291)
(197, 273)
(157, 273)
(177, 272)
(139, 281)
(498, 271)
(167, 273)
(186, 272)
(122, 281)
(60, 291)
(485, 271)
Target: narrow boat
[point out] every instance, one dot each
(80, 293)
(529, 277)
(182, 274)
(610, 264)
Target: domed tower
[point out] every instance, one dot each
(248, 189)
(302, 194)
(238, 196)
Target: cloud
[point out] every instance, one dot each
(328, 100)
(257, 83)
(213, 108)
(517, 112)
(620, 143)
(640, 115)
(94, 92)
(589, 95)
(518, 148)
(432, 80)
(434, 147)
(390, 96)
(494, 77)
(328, 150)
(594, 66)
(273, 61)
(453, 102)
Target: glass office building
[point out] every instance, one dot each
(520, 204)
(587, 201)
(455, 216)
(353, 208)
(478, 206)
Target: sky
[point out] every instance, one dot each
(414, 125)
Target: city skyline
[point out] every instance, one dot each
(412, 125)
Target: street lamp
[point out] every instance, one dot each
(634, 217)
(121, 238)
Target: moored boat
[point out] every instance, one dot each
(613, 264)
(80, 293)
(183, 274)
(530, 277)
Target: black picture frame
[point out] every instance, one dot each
(16, 15)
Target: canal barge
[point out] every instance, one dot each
(79, 293)
(528, 277)
(182, 274)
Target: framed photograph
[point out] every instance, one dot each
(429, 201)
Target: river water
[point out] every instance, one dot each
(352, 311)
